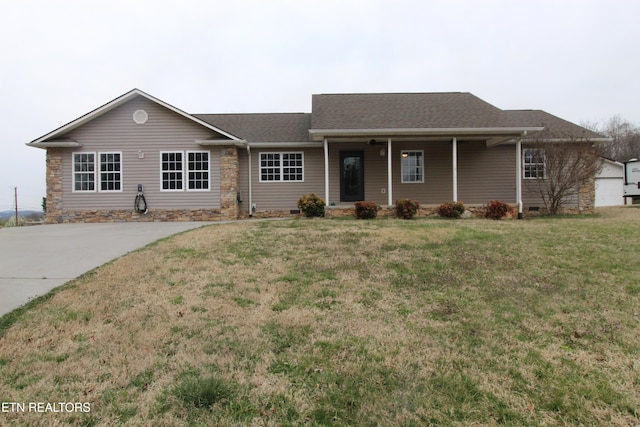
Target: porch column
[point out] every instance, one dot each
(519, 177)
(326, 170)
(454, 145)
(389, 174)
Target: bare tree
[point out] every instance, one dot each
(562, 170)
(625, 137)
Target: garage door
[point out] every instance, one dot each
(609, 192)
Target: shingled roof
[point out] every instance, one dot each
(392, 111)
(269, 127)
(555, 127)
(403, 111)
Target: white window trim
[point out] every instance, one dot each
(187, 170)
(174, 190)
(281, 180)
(73, 172)
(402, 181)
(99, 172)
(524, 164)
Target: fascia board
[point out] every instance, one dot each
(221, 142)
(516, 131)
(302, 144)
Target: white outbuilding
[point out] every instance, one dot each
(610, 184)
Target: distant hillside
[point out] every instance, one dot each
(4, 215)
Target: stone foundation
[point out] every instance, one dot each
(174, 215)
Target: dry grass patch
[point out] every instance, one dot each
(326, 322)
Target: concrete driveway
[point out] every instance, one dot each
(34, 260)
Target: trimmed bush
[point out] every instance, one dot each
(406, 208)
(367, 210)
(311, 205)
(451, 209)
(497, 210)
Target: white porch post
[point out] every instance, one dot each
(519, 177)
(455, 168)
(326, 170)
(389, 174)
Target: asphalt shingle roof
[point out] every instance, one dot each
(268, 127)
(447, 110)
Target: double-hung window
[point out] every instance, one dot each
(97, 172)
(533, 165)
(84, 172)
(280, 167)
(198, 170)
(180, 172)
(110, 171)
(171, 171)
(412, 169)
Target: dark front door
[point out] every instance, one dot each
(351, 176)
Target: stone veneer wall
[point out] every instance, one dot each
(169, 215)
(54, 185)
(229, 171)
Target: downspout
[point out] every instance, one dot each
(250, 186)
(455, 168)
(519, 175)
(389, 174)
(326, 170)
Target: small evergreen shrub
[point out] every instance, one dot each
(451, 209)
(311, 205)
(406, 208)
(367, 210)
(497, 210)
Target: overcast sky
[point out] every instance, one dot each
(60, 59)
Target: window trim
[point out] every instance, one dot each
(281, 167)
(99, 172)
(186, 161)
(525, 163)
(73, 172)
(182, 170)
(402, 166)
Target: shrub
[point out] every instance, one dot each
(406, 208)
(497, 210)
(451, 209)
(311, 205)
(367, 210)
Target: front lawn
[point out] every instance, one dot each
(325, 322)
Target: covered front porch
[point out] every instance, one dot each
(473, 166)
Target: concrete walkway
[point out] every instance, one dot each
(34, 260)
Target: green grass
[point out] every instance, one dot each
(345, 322)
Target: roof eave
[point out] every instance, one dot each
(319, 134)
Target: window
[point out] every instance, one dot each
(412, 166)
(110, 172)
(171, 170)
(281, 167)
(198, 170)
(533, 164)
(84, 172)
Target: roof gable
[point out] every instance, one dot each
(50, 139)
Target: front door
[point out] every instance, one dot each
(351, 176)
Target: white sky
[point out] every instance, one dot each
(577, 59)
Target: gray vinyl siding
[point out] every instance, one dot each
(278, 195)
(115, 131)
(438, 173)
(486, 174)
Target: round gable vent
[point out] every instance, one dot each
(140, 117)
